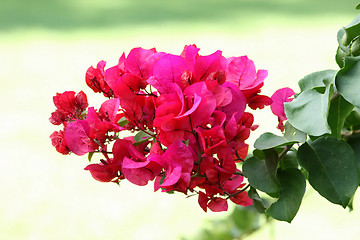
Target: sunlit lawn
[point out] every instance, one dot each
(47, 48)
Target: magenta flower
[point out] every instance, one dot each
(94, 78)
(242, 73)
(77, 137)
(178, 161)
(104, 171)
(58, 141)
(140, 62)
(68, 107)
(277, 107)
(186, 115)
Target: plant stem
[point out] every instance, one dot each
(286, 149)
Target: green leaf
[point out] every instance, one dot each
(186, 142)
(340, 56)
(351, 31)
(292, 191)
(123, 121)
(270, 140)
(271, 161)
(338, 112)
(90, 155)
(347, 80)
(141, 137)
(354, 142)
(351, 203)
(317, 79)
(289, 160)
(357, 7)
(259, 154)
(332, 168)
(353, 120)
(355, 47)
(340, 36)
(308, 108)
(258, 202)
(261, 174)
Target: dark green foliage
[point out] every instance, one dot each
(332, 168)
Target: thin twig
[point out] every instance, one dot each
(286, 149)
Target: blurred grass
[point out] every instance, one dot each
(46, 47)
(68, 14)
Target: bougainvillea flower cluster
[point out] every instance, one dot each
(185, 115)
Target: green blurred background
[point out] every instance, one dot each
(46, 47)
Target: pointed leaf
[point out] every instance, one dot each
(340, 36)
(332, 168)
(317, 79)
(292, 191)
(353, 120)
(123, 121)
(141, 137)
(289, 160)
(308, 108)
(347, 80)
(258, 202)
(352, 30)
(338, 112)
(260, 176)
(354, 142)
(90, 155)
(270, 140)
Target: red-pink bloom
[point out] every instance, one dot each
(242, 199)
(205, 65)
(140, 171)
(233, 186)
(254, 99)
(277, 107)
(212, 140)
(94, 78)
(218, 169)
(169, 69)
(104, 171)
(58, 118)
(127, 86)
(171, 116)
(242, 73)
(69, 106)
(199, 104)
(222, 94)
(259, 102)
(190, 53)
(77, 137)
(218, 204)
(194, 109)
(215, 204)
(140, 62)
(178, 161)
(58, 141)
(99, 127)
(108, 113)
(237, 105)
(112, 74)
(203, 200)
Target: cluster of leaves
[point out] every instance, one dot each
(185, 117)
(321, 142)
